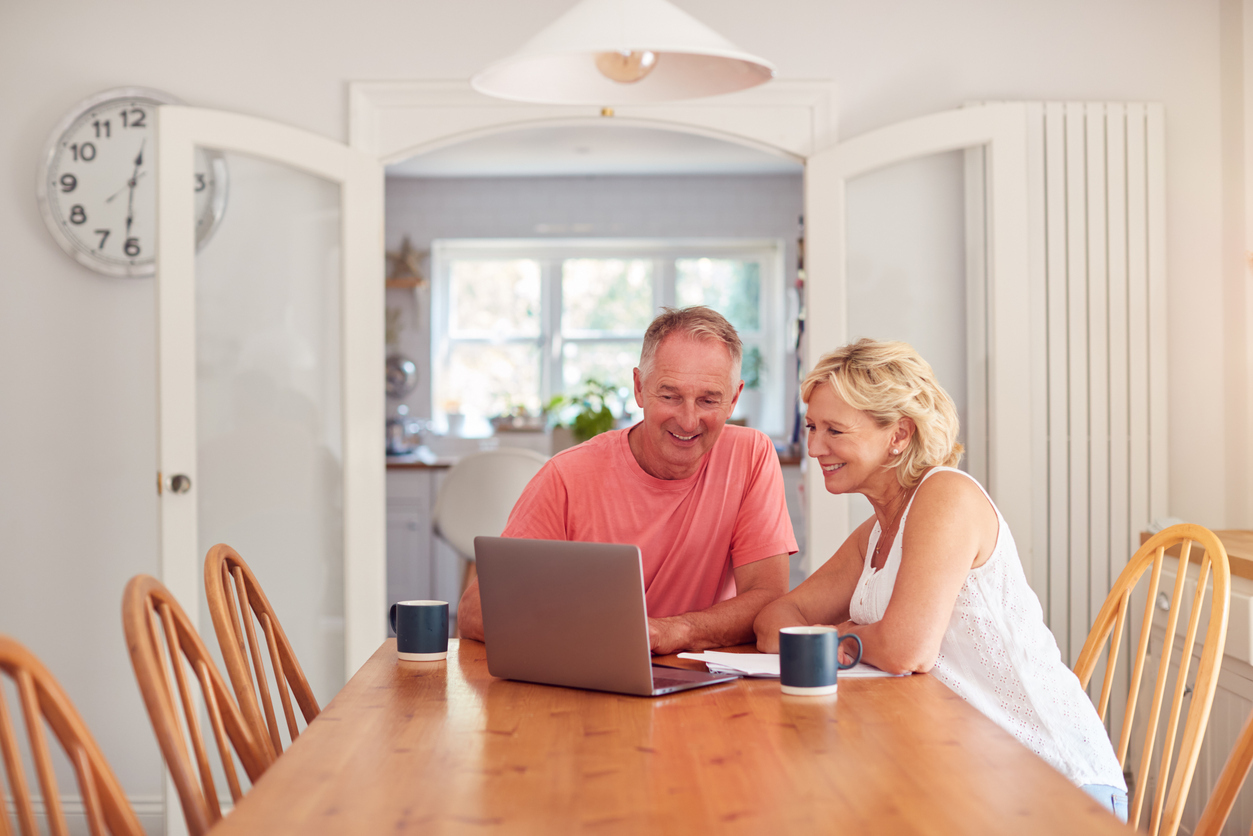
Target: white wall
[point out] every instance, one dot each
(77, 499)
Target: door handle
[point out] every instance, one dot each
(178, 483)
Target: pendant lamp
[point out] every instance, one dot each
(609, 52)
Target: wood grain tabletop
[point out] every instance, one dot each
(443, 747)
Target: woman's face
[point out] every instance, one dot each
(850, 447)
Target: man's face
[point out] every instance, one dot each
(687, 397)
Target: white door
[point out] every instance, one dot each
(997, 345)
(270, 346)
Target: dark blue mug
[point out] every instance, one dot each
(421, 629)
(809, 661)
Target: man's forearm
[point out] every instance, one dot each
(470, 613)
(722, 625)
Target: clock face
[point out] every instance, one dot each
(97, 189)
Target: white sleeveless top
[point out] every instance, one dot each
(999, 656)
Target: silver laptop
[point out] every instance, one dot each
(572, 614)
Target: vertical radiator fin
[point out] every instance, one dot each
(1099, 192)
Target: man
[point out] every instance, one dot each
(703, 501)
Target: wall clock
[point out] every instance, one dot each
(96, 182)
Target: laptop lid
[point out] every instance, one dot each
(564, 613)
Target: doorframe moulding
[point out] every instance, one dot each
(394, 120)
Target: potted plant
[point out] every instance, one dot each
(591, 414)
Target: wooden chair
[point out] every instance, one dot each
(155, 627)
(1171, 787)
(224, 569)
(42, 698)
(1223, 796)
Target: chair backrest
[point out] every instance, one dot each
(41, 699)
(1171, 789)
(233, 591)
(1223, 796)
(479, 492)
(157, 627)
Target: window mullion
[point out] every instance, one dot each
(551, 338)
(663, 283)
(441, 314)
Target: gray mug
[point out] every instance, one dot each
(808, 660)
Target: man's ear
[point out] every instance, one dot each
(639, 387)
(739, 390)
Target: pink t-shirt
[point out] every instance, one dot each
(691, 532)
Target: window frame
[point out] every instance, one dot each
(770, 338)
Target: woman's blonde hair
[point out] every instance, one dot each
(889, 381)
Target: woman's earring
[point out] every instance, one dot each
(895, 452)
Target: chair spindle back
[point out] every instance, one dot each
(157, 627)
(1171, 788)
(42, 700)
(233, 591)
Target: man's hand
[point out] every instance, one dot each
(669, 635)
(728, 622)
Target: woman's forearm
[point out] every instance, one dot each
(887, 649)
(779, 613)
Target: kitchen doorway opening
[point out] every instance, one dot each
(545, 251)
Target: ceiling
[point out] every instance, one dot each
(583, 150)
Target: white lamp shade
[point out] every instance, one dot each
(558, 66)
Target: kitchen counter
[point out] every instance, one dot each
(420, 459)
(424, 458)
(1239, 546)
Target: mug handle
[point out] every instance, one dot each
(393, 618)
(839, 640)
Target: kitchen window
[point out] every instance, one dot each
(516, 322)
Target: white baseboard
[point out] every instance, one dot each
(150, 809)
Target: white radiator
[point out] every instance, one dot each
(1099, 349)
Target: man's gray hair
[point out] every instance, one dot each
(697, 322)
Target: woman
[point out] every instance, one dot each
(932, 581)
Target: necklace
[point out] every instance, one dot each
(883, 533)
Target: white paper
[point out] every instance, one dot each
(767, 664)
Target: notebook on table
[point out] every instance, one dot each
(572, 614)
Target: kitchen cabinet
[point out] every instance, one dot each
(1233, 702)
(420, 565)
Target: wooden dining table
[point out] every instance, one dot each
(444, 747)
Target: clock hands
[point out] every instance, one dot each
(109, 199)
(130, 200)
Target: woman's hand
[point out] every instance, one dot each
(844, 655)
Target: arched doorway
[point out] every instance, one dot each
(397, 119)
